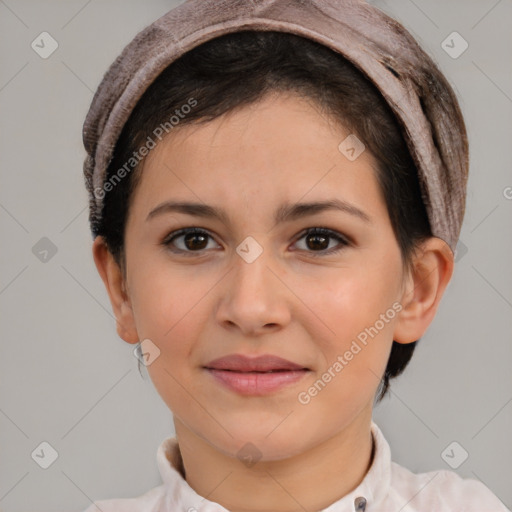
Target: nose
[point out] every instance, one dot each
(254, 297)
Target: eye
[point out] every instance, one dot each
(193, 240)
(318, 240)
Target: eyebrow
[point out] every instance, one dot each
(285, 213)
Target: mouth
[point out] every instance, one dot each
(257, 383)
(261, 364)
(255, 376)
(252, 371)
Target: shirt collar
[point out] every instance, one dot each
(370, 492)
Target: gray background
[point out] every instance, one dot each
(66, 377)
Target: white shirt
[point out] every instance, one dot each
(386, 487)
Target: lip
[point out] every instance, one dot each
(263, 363)
(255, 375)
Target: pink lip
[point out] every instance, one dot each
(264, 363)
(251, 376)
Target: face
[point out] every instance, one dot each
(248, 284)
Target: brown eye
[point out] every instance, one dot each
(187, 240)
(318, 240)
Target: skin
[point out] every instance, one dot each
(288, 302)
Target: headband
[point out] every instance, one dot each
(419, 95)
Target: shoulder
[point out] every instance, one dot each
(147, 502)
(441, 490)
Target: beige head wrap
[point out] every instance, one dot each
(379, 46)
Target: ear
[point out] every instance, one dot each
(114, 282)
(424, 286)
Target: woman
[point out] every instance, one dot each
(318, 160)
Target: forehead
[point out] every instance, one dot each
(280, 149)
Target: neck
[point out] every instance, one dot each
(311, 480)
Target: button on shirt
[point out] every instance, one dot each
(386, 487)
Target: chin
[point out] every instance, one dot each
(264, 444)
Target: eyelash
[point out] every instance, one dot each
(343, 241)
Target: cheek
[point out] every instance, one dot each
(348, 300)
(170, 307)
(354, 356)
(167, 299)
(354, 307)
